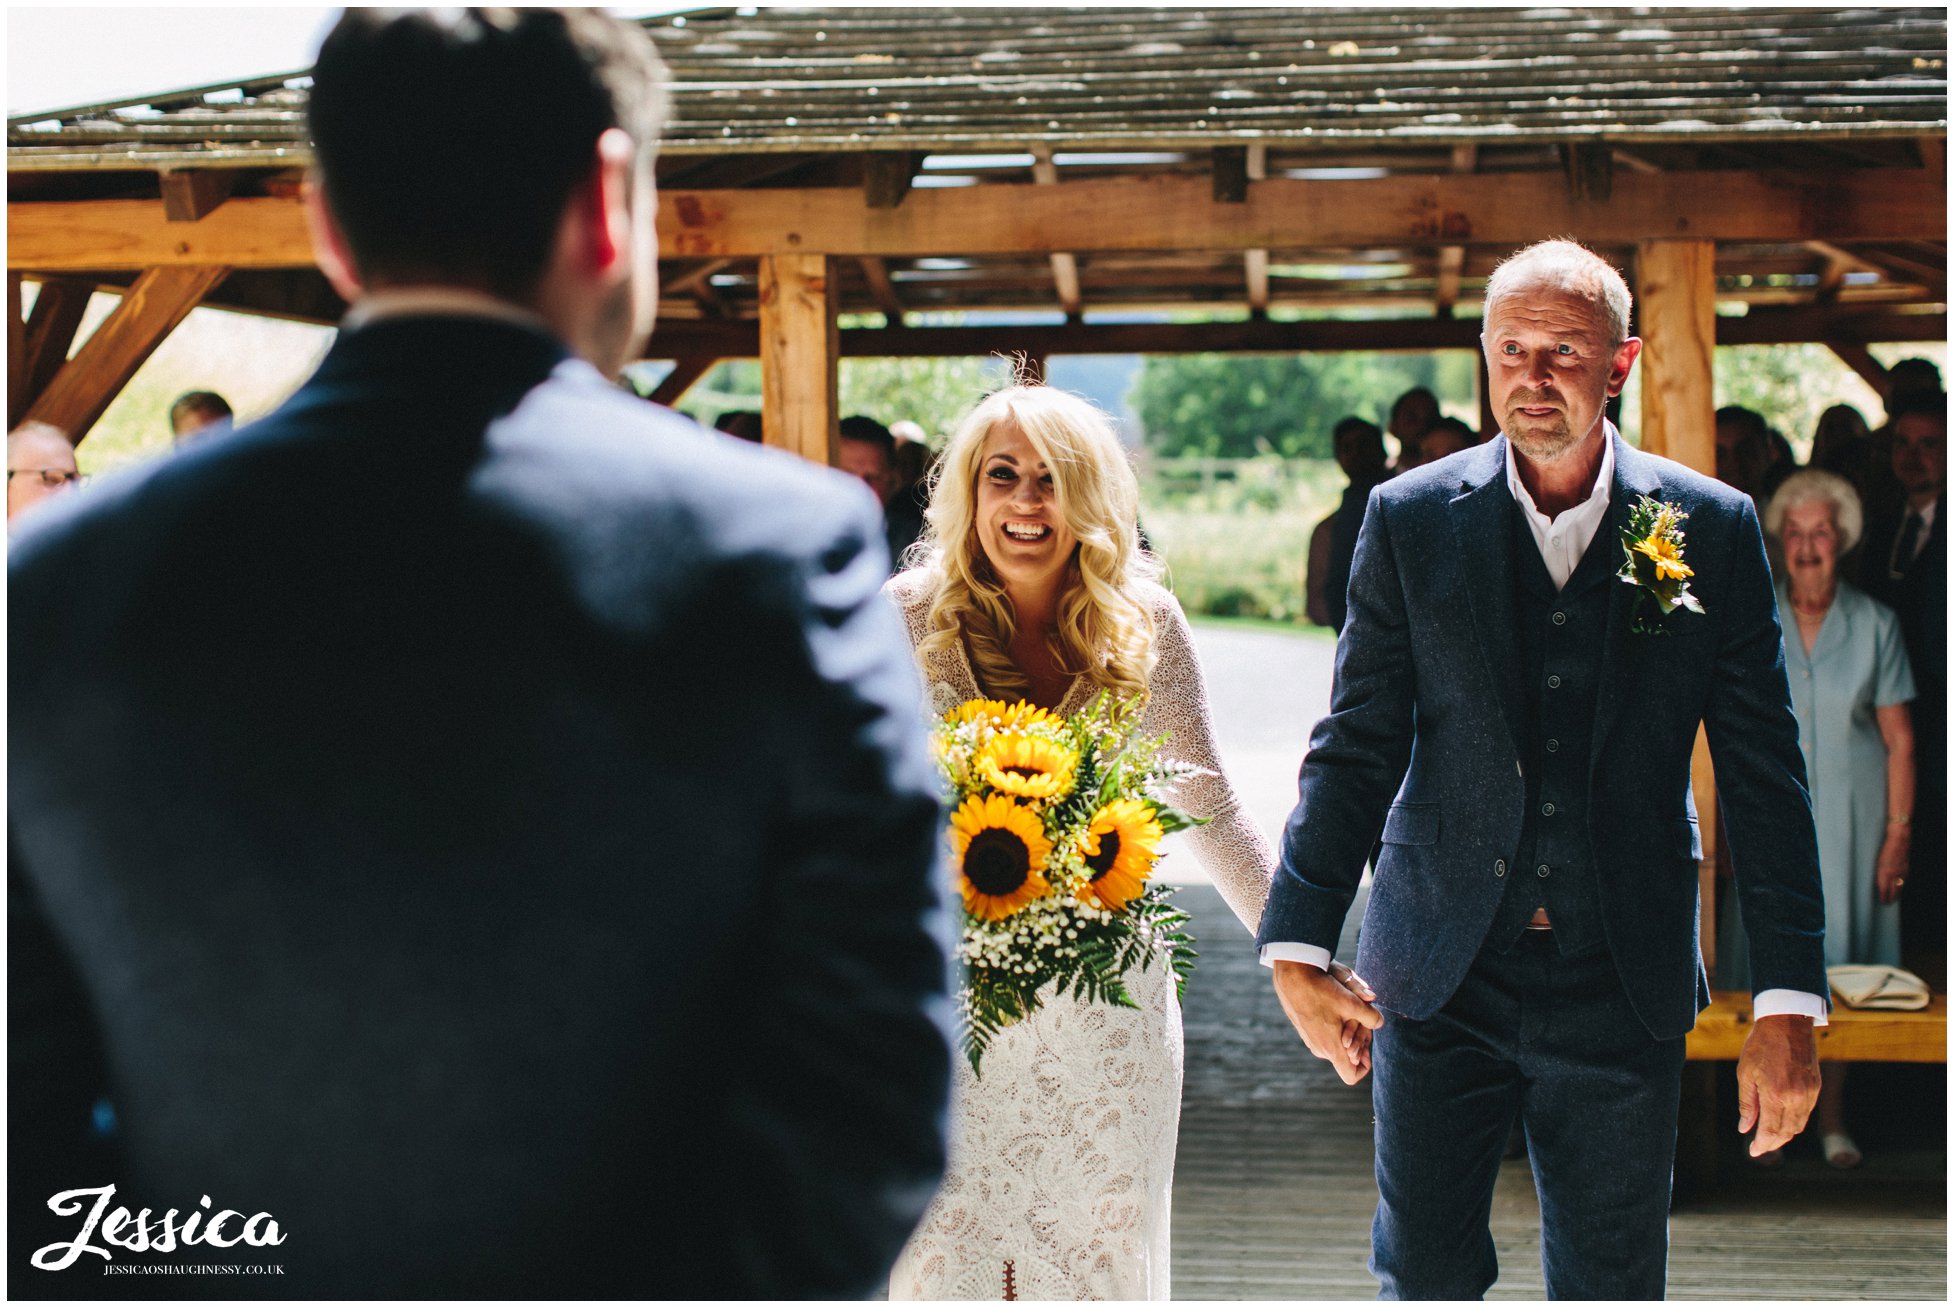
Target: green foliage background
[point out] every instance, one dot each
(1239, 405)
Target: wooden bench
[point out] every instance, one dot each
(1853, 1035)
(1857, 1035)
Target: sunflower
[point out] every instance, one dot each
(1028, 766)
(1004, 717)
(1667, 557)
(1120, 848)
(1001, 850)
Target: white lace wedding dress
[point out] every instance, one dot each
(1062, 1153)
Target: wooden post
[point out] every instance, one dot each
(1677, 290)
(1676, 298)
(799, 346)
(16, 346)
(150, 310)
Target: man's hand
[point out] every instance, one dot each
(1332, 1012)
(1777, 1080)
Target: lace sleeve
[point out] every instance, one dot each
(1230, 846)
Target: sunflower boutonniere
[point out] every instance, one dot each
(1653, 544)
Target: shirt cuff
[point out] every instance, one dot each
(1797, 1003)
(1291, 952)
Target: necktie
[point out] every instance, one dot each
(1906, 546)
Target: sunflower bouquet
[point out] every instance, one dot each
(1055, 826)
(1652, 546)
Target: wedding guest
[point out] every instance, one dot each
(198, 413)
(1850, 685)
(1412, 415)
(1905, 379)
(489, 816)
(1743, 449)
(1904, 564)
(1359, 447)
(1316, 602)
(742, 424)
(1447, 436)
(867, 450)
(1842, 444)
(40, 463)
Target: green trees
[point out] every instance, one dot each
(1235, 406)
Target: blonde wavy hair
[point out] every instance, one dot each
(1105, 627)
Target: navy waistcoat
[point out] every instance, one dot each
(1561, 642)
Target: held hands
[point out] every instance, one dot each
(1777, 1080)
(1333, 1013)
(1890, 873)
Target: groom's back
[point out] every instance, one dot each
(408, 777)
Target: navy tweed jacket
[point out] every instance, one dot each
(1422, 745)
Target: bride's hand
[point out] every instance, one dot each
(1356, 1036)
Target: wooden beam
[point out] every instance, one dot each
(192, 194)
(886, 177)
(1897, 267)
(1065, 266)
(1858, 358)
(149, 312)
(876, 272)
(1487, 210)
(740, 340)
(684, 283)
(46, 338)
(1676, 294)
(684, 374)
(798, 354)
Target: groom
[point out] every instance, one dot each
(472, 816)
(1525, 752)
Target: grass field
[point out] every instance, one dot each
(1239, 550)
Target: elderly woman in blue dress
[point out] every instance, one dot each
(1850, 684)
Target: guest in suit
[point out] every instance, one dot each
(199, 413)
(488, 817)
(1904, 564)
(1525, 750)
(1359, 449)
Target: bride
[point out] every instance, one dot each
(1032, 585)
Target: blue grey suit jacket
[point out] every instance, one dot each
(1421, 743)
(487, 824)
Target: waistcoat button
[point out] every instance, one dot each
(1553, 683)
(1541, 871)
(1499, 867)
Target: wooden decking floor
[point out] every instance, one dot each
(1273, 1189)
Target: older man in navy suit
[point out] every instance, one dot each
(472, 816)
(1517, 722)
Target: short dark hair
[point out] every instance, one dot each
(208, 403)
(450, 140)
(1931, 404)
(861, 427)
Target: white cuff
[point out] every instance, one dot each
(1291, 952)
(1776, 1003)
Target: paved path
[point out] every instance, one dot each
(1273, 1191)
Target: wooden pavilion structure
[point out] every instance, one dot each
(1250, 179)
(1137, 180)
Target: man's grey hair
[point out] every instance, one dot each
(1566, 266)
(1817, 486)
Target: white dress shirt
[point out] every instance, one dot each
(1563, 539)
